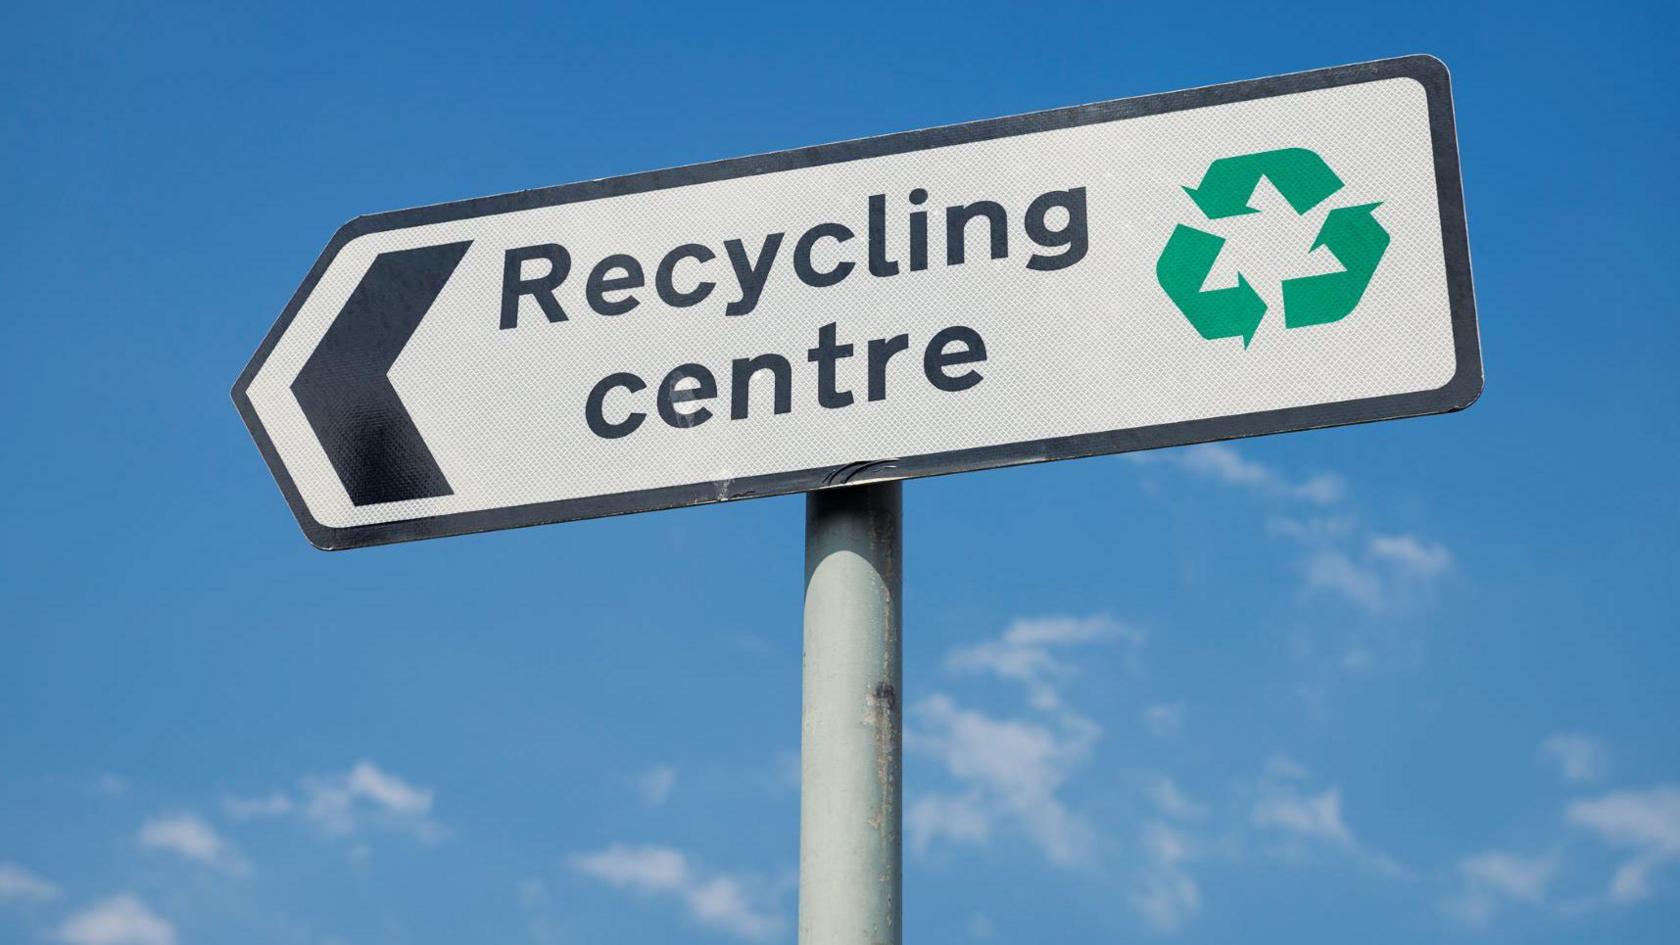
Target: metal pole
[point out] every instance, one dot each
(852, 738)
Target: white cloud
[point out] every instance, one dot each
(1411, 555)
(1375, 572)
(1222, 463)
(1165, 894)
(1644, 822)
(1524, 878)
(1285, 806)
(345, 804)
(1163, 891)
(718, 900)
(387, 790)
(1164, 720)
(1580, 758)
(348, 803)
(1011, 768)
(1171, 801)
(722, 903)
(1389, 573)
(17, 883)
(655, 785)
(1494, 877)
(959, 818)
(190, 836)
(1025, 653)
(643, 869)
(1285, 768)
(1331, 569)
(119, 920)
(1311, 816)
(1316, 530)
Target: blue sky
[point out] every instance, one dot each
(1399, 683)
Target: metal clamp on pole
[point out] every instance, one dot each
(852, 738)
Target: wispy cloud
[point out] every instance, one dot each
(1165, 719)
(368, 796)
(1646, 823)
(1224, 464)
(1493, 878)
(1309, 818)
(1165, 894)
(645, 869)
(1171, 801)
(1385, 573)
(1410, 556)
(17, 884)
(348, 803)
(655, 784)
(1162, 890)
(189, 836)
(120, 920)
(716, 900)
(1374, 571)
(1333, 569)
(1580, 758)
(1027, 652)
(1012, 770)
(1643, 824)
(958, 818)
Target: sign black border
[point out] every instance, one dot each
(1456, 394)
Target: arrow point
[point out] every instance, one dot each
(345, 391)
(1342, 217)
(1216, 207)
(1248, 334)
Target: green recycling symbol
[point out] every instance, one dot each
(1351, 234)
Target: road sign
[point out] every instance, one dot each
(1280, 254)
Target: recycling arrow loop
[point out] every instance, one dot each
(1216, 313)
(345, 388)
(1351, 234)
(1300, 175)
(1358, 242)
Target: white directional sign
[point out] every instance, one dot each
(1272, 255)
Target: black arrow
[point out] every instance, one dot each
(345, 389)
